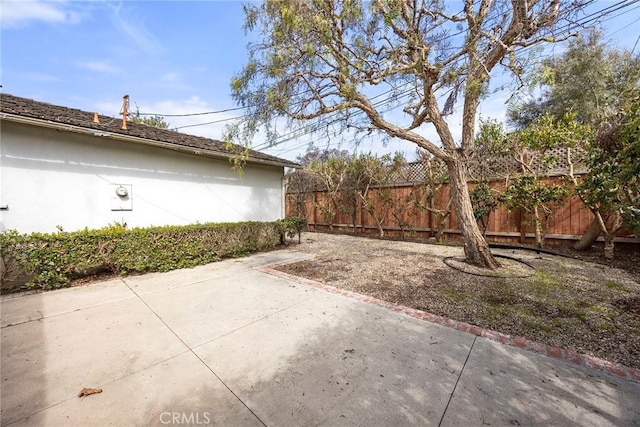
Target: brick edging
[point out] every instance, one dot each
(615, 369)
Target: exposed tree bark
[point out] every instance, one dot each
(608, 247)
(609, 232)
(538, 227)
(354, 215)
(476, 253)
(442, 216)
(589, 237)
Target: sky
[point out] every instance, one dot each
(172, 57)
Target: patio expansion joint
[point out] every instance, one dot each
(455, 386)
(196, 355)
(570, 356)
(39, 319)
(185, 285)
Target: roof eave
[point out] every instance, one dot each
(138, 140)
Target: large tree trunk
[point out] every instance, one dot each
(589, 237)
(476, 249)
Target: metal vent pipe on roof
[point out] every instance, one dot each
(125, 111)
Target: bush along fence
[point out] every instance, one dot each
(49, 261)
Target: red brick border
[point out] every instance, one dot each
(615, 369)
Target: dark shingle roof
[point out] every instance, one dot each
(23, 107)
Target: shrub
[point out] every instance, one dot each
(52, 260)
(291, 226)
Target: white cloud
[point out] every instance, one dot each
(17, 13)
(41, 77)
(170, 77)
(135, 30)
(100, 66)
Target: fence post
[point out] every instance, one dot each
(523, 231)
(315, 208)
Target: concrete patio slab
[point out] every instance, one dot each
(178, 391)
(331, 361)
(207, 310)
(21, 308)
(228, 344)
(47, 361)
(503, 385)
(156, 282)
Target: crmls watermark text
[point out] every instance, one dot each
(186, 418)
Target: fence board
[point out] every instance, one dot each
(567, 223)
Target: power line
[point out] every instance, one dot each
(595, 17)
(635, 44)
(591, 18)
(615, 7)
(209, 123)
(204, 113)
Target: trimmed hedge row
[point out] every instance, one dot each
(52, 260)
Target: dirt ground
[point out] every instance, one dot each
(570, 303)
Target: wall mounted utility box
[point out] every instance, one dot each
(121, 197)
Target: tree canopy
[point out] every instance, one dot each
(318, 58)
(599, 86)
(155, 121)
(592, 79)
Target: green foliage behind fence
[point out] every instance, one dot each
(52, 260)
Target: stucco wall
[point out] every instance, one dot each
(51, 178)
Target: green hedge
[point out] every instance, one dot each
(52, 260)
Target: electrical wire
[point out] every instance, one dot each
(204, 113)
(591, 18)
(210, 123)
(595, 17)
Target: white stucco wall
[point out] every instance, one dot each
(50, 178)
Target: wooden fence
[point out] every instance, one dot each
(566, 225)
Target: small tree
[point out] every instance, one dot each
(300, 184)
(485, 201)
(535, 198)
(488, 165)
(532, 149)
(333, 175)
(404, 207)
(599, 84)
(611, 186)
(155, 121)
(427, 191)
(375, 188)
(304, 182)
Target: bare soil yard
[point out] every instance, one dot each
(570, 303)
